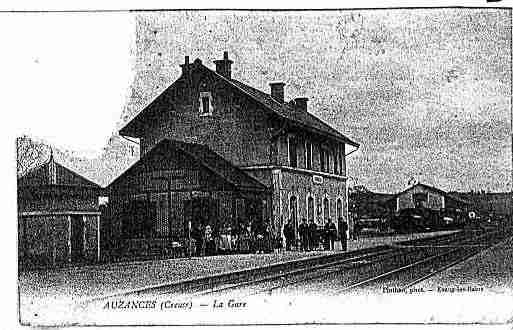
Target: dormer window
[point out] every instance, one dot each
(205, 104)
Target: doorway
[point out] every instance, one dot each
(200, 210)
(77, 238)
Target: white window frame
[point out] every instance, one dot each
(210, 104)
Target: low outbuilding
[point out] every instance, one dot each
(58, 217)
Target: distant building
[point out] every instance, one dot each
(422, 195)
(58, 217)
(296, 157)
(490, 205)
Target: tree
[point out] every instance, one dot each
(29, 154)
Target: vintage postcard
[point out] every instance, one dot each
(265, 167)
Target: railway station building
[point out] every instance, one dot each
(58, 217)
(280, 162)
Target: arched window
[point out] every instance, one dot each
(326, 207)
(293, 211)
(310, 208)
(339, 209)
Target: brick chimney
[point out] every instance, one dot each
(185, 67)
(224, 66)
(301, 104)
(277, 91)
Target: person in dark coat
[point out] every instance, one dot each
(197, 234)
(209, 244)
(312, 236)
(288, 232)
(259, 235)
(343, 233)
(331, 234)
(324, 235)
(303, 235)
(356, 230)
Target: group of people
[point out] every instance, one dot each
(258, 237)
(240, 237)
(312, 237)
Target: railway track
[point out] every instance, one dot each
(358, 269)
(401, 265)
(408, 275)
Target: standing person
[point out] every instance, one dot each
(343, 233)
(250, 238)
(225, 238)
(235, 236)
(324, 233)
(258, 234)
(198, 234)
(268, 239)
(313, 236)
(244, 242)
(288, 232)
(303, 235)
(331, 234)
(208, 241)
(356, 230)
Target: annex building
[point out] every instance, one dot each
(214, 149)
(58, 217)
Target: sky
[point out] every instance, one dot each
(427, 93)
(68, 75)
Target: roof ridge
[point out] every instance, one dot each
(234, 83)
(179, 144)
(207, 148)
(260, 91)
(281, 109)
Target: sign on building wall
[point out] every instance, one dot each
(317, 179)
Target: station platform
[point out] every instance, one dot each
(81, 283)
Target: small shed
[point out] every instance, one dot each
(58, 217)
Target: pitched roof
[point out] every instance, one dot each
(52, 173)
(302, 118)
(286, 111)
(148, 113)
(206, 158)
